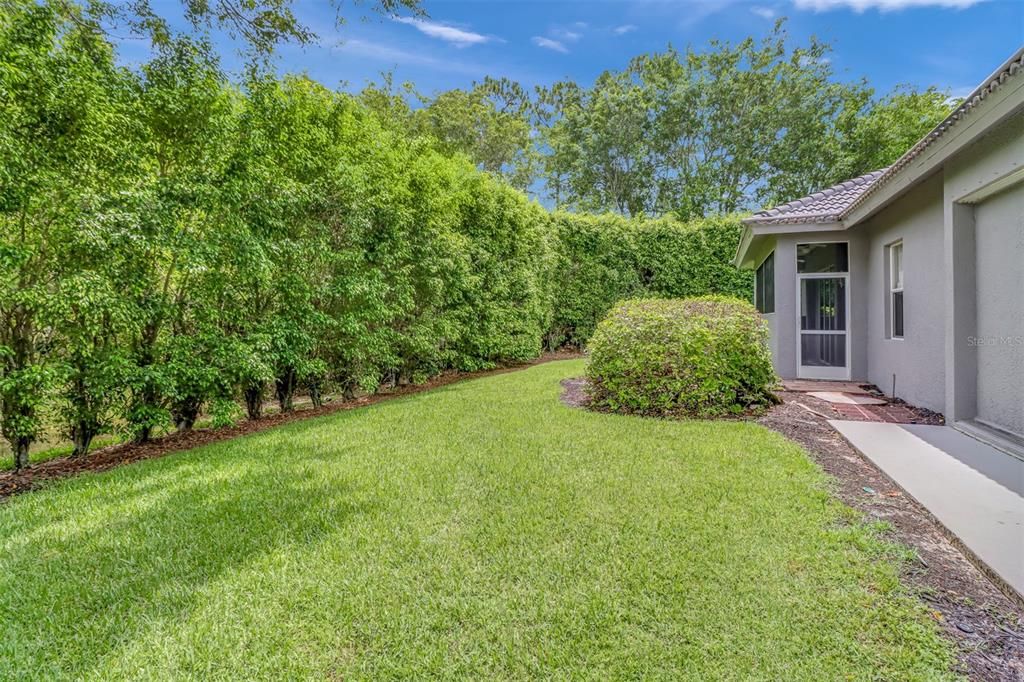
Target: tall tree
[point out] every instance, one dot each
(187, 114)
(491, 123)
(60, 130)
(728, 128)
(891, 126)
(260, 25)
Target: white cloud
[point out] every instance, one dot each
(549, 44)
(399, 57)
(763, 12)
(624, 29)
(566, 35)
(694, 12)
(446, 32)
(881, 5)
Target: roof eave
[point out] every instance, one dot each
(754, 231)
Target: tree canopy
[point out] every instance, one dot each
(694, 132)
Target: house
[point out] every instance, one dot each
(912, 277)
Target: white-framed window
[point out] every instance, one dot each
(896, 290)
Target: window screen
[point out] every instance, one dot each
(829, 257)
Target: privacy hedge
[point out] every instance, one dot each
(173, 244)
(697, 357)
(608, 258)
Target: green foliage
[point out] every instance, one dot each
(608, 258)
(62, 121)
(491, 123)
(261, 25)
(701, 132)
(170, 242)
(697, 133)
(695, 357)
(890, 127)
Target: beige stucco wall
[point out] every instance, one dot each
(918, 360)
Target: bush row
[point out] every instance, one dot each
(171, 243)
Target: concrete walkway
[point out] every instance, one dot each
(974, 490)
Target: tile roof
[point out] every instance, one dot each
(836, 202)
(825, 206)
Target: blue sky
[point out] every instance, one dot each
(950, 43)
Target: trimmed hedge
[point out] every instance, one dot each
(174, 243)
(607, 258)
(696, 357)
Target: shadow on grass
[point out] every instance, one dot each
(72, 597)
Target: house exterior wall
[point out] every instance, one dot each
(974, 287)
(918, 359)
(999, 341)
(961, 222)
(773, 338)
(765, 249)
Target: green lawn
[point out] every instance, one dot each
(481, 530)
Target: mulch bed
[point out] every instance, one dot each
(986, 624)
(12, 483)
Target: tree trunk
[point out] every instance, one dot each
(186, 412)
(148, 397)
(285, 388)
(143, 435)
(254, 401)
(16, 403)
(81, 437)
(21, 452)
(314, 393)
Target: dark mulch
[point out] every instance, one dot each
(12, 483)
(986, 624)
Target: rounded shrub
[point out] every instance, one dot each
(697, 357)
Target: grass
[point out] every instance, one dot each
(482, 530)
